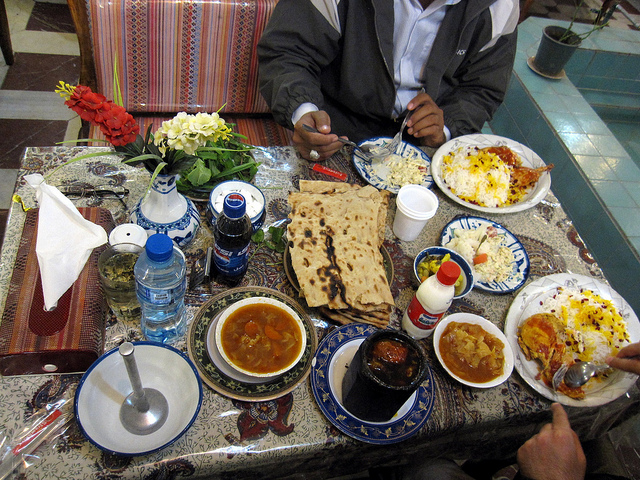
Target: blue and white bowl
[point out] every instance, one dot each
(455, 257)
(253, 197)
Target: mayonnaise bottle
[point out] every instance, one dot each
(431, 301)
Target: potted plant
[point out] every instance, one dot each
(557, 45)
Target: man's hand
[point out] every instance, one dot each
(325, 142)
(555, 452)
(628, 359)
(427, 121)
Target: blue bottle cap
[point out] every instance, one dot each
(159, 247)
(234, 205)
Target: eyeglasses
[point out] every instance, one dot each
(100, 191)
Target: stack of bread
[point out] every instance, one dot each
(335, 236)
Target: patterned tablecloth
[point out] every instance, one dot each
(289, 436)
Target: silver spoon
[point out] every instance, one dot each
(145, 410)
(580, 372)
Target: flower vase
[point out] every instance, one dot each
(165, 210)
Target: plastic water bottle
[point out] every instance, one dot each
(161, 283)
(232, 233)
(431, 301)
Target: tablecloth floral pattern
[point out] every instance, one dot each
(290, 436)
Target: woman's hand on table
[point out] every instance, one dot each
(555, 452)
(628, 359)
(427, 121)
(324, 143)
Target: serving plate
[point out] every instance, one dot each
(521, 263)
(488, 327)
(527, 303)
(376, 173)
(232, 386)
(106, 384)
(529, 159)
(291, 274)
(329, 367)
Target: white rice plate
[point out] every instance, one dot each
(593, 328)
(477, 177)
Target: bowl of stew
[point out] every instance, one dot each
(473, 350)
(261, 337)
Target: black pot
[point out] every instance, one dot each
(371, 398)
(557, 45)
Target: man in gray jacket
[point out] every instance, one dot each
(356, 67)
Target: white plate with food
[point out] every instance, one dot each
(487, 180)
(500, 262)
(587, 312)
(409, 165)
(473, 350)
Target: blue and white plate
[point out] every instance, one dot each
(106, 384)
(376, 172)
(328, 369)
(521, 263)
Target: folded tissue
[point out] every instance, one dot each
(65, 240)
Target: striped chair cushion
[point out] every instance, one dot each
(192, 56)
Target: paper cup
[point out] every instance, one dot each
(415, 206)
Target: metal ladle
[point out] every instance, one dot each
(146, 409)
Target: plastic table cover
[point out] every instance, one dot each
(289, 436)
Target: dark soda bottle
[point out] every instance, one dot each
(232, 234)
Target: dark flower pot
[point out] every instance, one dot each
(557, 45)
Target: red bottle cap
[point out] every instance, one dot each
(448, 273)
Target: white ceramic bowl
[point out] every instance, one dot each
(466, 269)
(224, 317)
(489, 328)
(106, 384)
(253, 197)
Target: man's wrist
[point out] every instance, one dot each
(302, 110)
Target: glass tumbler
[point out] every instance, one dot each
(115, 265)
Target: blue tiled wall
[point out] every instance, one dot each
(595, 179)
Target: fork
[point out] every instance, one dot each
(368, 155)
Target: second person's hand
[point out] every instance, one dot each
(324, 143)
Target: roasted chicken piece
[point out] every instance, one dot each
(525, 176)
(539, 339)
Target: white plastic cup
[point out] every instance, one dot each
(415, 206)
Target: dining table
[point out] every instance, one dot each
(288, 434)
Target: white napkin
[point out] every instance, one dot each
(65, 240)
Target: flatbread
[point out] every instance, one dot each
(335, 236)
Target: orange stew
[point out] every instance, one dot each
(261, 338)
(471, 353)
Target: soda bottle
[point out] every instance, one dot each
(161, 283)
(232, 234)
(431, 301)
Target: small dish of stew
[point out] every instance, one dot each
(260, 337)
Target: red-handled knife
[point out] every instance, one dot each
(329, 171)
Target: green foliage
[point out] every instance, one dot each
(275, 242)
(224, 160)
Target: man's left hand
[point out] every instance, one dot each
(427, 121)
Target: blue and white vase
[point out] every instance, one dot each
(165, 210)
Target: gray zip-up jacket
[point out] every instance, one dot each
(338, 54)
